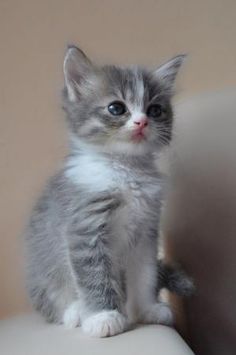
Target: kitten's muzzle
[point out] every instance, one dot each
(141, 123)
(139, 129)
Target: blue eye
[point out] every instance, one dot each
(117, 108)
(154, 111)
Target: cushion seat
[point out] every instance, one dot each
(29, 334)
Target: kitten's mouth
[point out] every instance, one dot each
(138, 136)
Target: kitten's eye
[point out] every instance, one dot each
(154, 111)
(117, 108)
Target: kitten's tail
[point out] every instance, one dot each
(174, 279)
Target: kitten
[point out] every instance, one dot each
(92, 238)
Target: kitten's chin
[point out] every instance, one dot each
(135, 147)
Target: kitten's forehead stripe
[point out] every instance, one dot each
(128, 83)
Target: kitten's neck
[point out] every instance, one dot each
(85, 165)
(120, 153)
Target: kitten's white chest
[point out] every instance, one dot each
(140, 190)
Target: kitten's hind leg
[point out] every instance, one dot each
(158, 313)
(141, 287)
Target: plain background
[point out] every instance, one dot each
(33, 36)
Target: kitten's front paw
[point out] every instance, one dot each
(71, 316)
(105, 324)
(158, 313)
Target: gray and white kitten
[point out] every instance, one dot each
(92, 238)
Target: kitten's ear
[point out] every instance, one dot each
(76, 68)
(167, 72)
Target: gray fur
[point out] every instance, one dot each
(73, 250)
(174, 279)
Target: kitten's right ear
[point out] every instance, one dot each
(76, 68)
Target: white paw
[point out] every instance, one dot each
(105, 324)
(71, 316)
(158, 313)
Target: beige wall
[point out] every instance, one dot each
(33, 35)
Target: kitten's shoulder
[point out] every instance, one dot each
(58, 190)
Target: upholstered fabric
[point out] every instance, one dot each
(200, 221)
(30, 335)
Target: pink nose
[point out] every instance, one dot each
(142, 122)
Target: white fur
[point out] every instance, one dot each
(104, 324)
(140, 91)
(90, 171)
(71, 317)
(158, 313)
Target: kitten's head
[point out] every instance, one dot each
(119, 109)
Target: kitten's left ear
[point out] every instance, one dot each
(167, 72)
